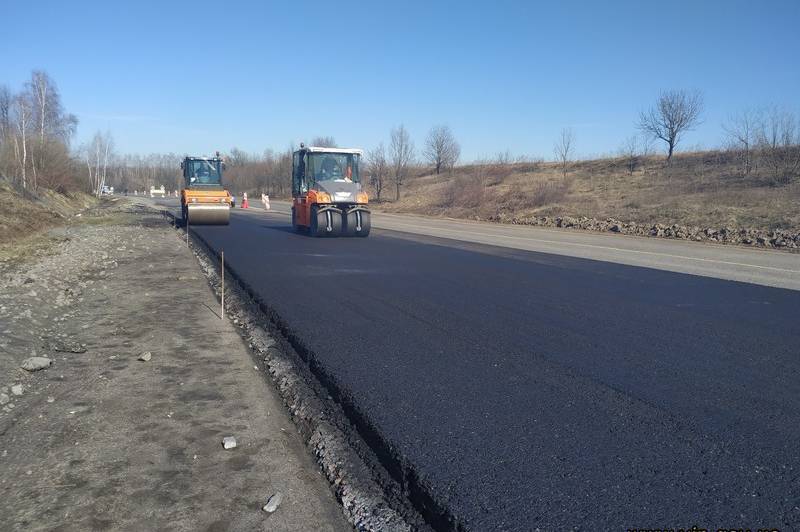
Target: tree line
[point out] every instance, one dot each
(36, 135)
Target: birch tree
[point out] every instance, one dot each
(35, 132)
(23, 115)
(51, 119)
(6, 130)
(96, 155)
(52, 125)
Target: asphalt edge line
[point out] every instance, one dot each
(371, 497)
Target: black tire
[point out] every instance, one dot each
(320, 223)
(352, 227)
(185, 215)
(336, 224)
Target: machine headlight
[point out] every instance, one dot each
(361, 197)
(194, 200)
(323, 197)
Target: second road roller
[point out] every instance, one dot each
(204, 200)
(327, 196)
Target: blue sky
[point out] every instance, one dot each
(199, 76)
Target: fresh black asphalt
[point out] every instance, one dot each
(513, 390)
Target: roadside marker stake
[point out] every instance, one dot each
(222, 313)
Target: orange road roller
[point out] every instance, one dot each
(204, 200)
(327, 197)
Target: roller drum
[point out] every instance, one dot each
(209, 214)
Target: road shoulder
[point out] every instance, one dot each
(100, 439)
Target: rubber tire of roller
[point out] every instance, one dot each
(366, 224)
(351, 224)
(319, 223)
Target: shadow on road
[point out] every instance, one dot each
(284, 229)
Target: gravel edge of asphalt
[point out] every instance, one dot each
(372, 500)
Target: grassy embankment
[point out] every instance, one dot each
(25, 220)
(705, 189)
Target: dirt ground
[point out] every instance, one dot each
(101, 440)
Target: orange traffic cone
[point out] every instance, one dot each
(245, 204)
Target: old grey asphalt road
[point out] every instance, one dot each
(515, 389)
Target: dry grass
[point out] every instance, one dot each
(24, 220)
(702, 189)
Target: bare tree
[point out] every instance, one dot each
(401, 153)
(441, 148)
(378, 169)
(6, 101)
(237, 157)
(34, 135)
(633, 150)
(45, 97)
(564, 148)
(324, 142)
(53, 126)
(503, 158)
(742, 129)
(778, 145)
(675, 113)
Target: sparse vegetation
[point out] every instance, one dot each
(25, 218)
(699, 188)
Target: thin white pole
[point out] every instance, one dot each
(222, 314)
